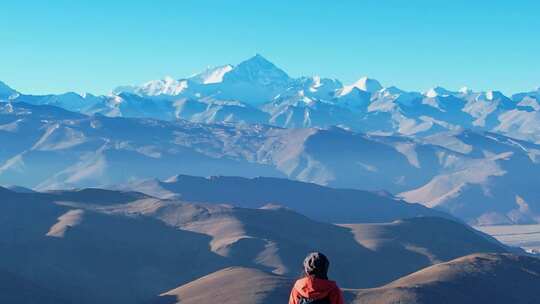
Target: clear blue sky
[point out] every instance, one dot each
(93, 46)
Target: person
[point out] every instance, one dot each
(314, 287)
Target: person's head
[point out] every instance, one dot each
(316, 264)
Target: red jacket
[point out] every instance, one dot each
(313, 288)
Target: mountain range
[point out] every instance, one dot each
(312, 200)
(257, 91)
(479, 177)
(105, 246)
(217, 185)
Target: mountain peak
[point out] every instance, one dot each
(492, 95)
(438, 91)
(365, 84)
(258, 61)
(465, 90)
(260, 58)
(368, 84)
(5, 90)
(257, 69)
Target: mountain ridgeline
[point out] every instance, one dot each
(257, 91)
(215, 186)
(480, 177)
(107, 246)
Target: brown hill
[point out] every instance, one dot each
(114, 250)
(277, 239)
(479, 278)
(235, 285)
(315, 201)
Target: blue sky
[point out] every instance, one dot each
(92, 46)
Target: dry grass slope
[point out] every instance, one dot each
(478, 278)
(235, 285)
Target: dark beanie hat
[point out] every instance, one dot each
(316, 264)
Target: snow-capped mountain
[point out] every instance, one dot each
(166, 86)
(6, 91)
(448, 149)
(256, 91)
(212, 75)
(363, 84)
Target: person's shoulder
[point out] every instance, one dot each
(325, 282)
(331, 284)
(301, 281)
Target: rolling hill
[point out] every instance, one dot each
(315, 201)
(474, 176)
(480, 278)
(231, 285)
(477, 278)
(106, 246)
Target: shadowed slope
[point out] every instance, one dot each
(315, 201)
(96, 196)
(91, 257)
(15, 290)
(277, 239)
(104, 251)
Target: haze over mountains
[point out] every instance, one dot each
(483, 178)
(173, 190)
